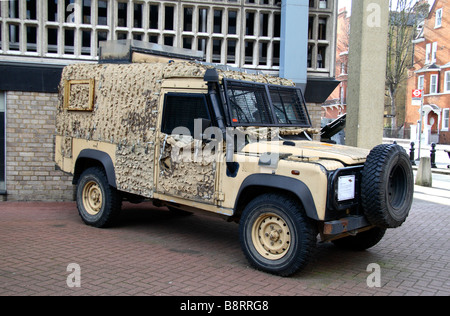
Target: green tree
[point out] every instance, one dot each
(404, 19)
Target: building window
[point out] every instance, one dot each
(2, 142)
(434, 52)
(420, 82)
(445, 119)
(428, 54)
(447, 82)
(433, 84)
(73, 29)
(438, 22)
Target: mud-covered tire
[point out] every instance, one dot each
(387, 186)
(362, 241)
(275, 234)
(98, 203)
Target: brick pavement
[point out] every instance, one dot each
(154, 252)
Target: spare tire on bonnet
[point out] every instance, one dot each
(387, 186)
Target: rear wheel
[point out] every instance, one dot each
(276, 236)
(98, 203)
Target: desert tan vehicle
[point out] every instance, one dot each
(193, 137)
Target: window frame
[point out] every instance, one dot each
(188, 95)
(445, 121)
(272, 115)
(434, 50)
(438, 18)
(447, 82)
(428, 53)
(420, 82)
(436, 84)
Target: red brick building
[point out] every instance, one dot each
(336, 104)
(431, 73)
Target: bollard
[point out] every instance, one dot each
(433, 155)
(424, 175)
(412, 154)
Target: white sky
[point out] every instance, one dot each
(348, 4)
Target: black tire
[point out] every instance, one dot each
(361, 241)
(275, 234)
(387, 186)
(98, 203)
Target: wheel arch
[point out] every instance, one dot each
(92, 158)
(258, 184)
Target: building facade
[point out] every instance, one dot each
(38, 38)
(336, 104)
(431, 73)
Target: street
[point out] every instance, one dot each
(45, 249)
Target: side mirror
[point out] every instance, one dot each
(200, 125)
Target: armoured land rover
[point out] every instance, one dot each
(194, 137)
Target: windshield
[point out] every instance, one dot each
(257, 104)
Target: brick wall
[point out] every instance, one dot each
(30, 168)
(315, 113)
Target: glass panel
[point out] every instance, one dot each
(137, 15)
(232, 22)
(31, 9)
(14, 37)
(202, 20)
(52, 10)
(288, 106)
(31, 38)
(101, 37)
(250, 23)
(248, 53)
(231, 52)
(248, 103)
(86, 43)
(263, 54)
(154, 16)
(182, 110)
(52, 40)
(187, 19)
(69, 41)
(187, 42)
(264, 24)
(169, 18)
(122, 16)
(102, 12)
(217, 48)
(86, 18)
(13, 9)
(69, 11)
(217, 21)
(276, 54)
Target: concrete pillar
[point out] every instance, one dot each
(424, 175)
(367, 72)
(294, 43)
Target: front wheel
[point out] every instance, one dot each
(276, 236)
(98, 203)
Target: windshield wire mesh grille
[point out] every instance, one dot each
(249, 104)
(257, 104)
(288, 107)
